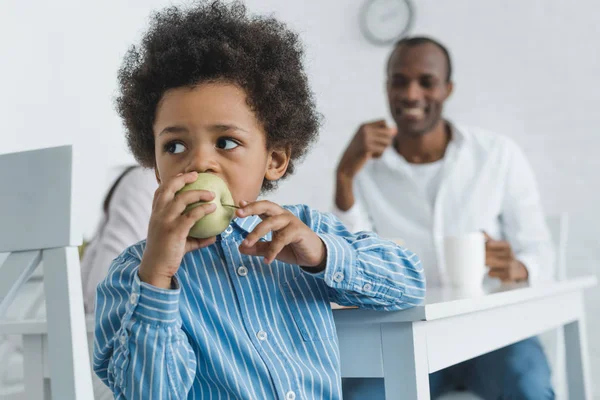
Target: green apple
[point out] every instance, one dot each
(216, 222)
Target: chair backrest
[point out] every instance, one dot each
(36, 199)
(559, 231)
(553, 341)
(38, 225)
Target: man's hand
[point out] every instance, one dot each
(370, 141)
(293, 242)
(502, 262)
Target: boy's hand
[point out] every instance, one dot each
(293, 242)
(168, 230)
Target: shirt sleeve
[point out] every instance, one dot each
(523, 220)
(364, 270)
(127, 223)
(356, 218)
(140, 350)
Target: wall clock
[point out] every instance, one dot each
(383, 22)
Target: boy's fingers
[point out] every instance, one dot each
(177, 183)
(167, 190)
(194, 243)
(270, 224)
(189, 218)
(259, 249)
(261, 208)
(184, 199)
(282, 239)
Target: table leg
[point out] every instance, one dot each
(405, 365)
(578, 378)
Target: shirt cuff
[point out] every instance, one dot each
(155, 305)
(340, 266)
(533, 273)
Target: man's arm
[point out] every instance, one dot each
(370, 141)
(344, 192)
(523, 219)
(356, 218)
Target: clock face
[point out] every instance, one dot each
(385, 21)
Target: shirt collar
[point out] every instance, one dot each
(247, 224)
(395, 161)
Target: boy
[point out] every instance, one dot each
(244, 315)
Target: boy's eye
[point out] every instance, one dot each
(226, 144)
(174, 147)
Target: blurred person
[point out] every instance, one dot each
(126, 213)
(424, 178)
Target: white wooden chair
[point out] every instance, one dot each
(554, 341)
(38, 225)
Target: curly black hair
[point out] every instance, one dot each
(213, 42)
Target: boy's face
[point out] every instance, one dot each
(210, 128)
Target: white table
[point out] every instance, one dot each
(404, 347)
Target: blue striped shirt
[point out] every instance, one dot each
(235, 328)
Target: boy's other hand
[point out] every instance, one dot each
(169, 227)
(292, 242)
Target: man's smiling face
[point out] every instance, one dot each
(417, 87)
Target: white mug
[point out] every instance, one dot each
(464, 257)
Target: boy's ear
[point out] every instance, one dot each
(277, 163)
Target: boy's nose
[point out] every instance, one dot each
(202, 160)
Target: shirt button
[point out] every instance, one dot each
(123, 339)
(338, 277)
(242, 271)
(367, 287)
(228, 231)
(133, 298)
(261, 335)
(290, 395)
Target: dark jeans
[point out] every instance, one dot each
(519, 371)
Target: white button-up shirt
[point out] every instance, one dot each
(486, 184)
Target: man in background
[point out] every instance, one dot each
(426, 178)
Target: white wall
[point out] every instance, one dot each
(527, 69)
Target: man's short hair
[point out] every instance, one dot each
(419, 40)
